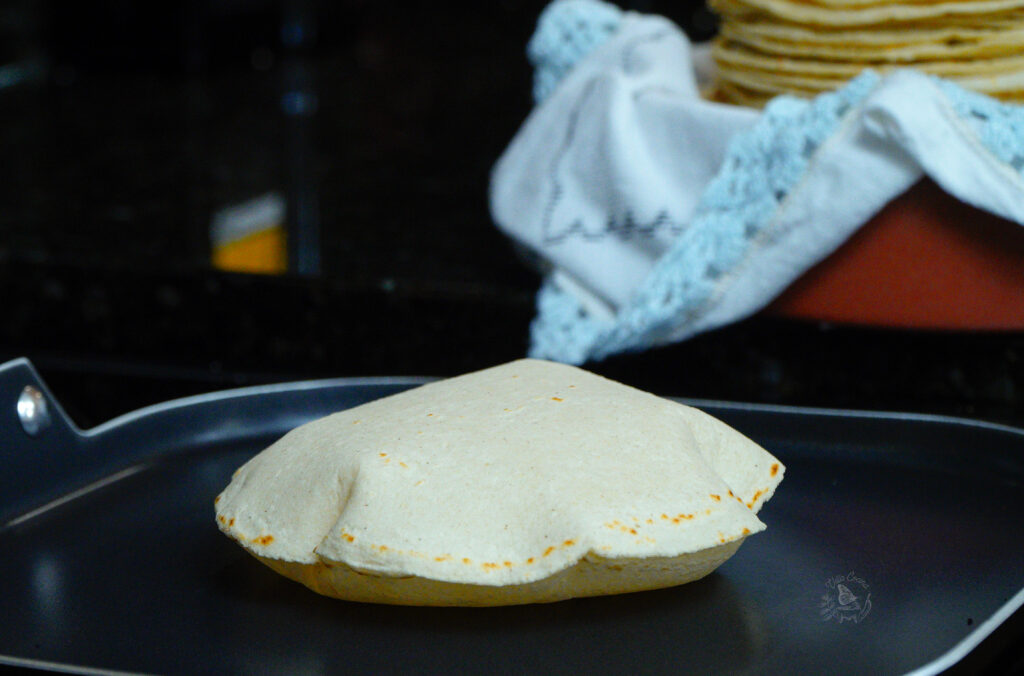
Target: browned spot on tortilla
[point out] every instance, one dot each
(530, 560)
(775, 469)
(231, 521)
(403, 465)
(441, 558)
(569, 543)
(548, 551)
(508, 564)
(746, 531)
(665, 516)
(348, 537)
(264, 540)
(429, 414)
(383, 455)
(753, 500)
(489, 566)
(716, 498)
(466, 561)
(556, 399)
(633, 531)
(221, 519)
(216, 500)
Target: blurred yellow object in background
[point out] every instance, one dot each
(261, 252)
(251, 237)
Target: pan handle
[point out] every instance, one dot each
(41, 449)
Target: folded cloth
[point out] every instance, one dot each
(661, 215)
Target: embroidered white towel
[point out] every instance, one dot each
(663, 215)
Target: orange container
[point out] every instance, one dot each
(926, 260)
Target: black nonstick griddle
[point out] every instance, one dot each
(894, 544)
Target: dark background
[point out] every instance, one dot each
(126, 126)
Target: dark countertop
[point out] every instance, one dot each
(133, 128)
(108, 341)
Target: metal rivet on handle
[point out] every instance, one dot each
(33, 412)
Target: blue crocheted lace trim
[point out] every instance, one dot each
(999, 126)
(567, 31)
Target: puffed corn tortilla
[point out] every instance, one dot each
(527, 482)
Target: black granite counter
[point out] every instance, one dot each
(127, 129)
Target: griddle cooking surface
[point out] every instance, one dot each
(917, 516)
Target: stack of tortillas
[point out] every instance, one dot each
(528, 482)
(805, 47)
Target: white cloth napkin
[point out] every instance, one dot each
(662, 215)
